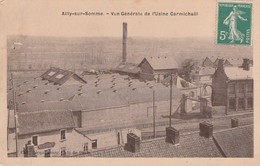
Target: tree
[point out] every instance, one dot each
(188, 69)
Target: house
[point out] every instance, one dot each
(233, 87)
(158, 67)
(49, 133)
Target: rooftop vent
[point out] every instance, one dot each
(61, 99)
(151, 87)
(46, 92)
(115, 91)
(19, 85)
(42, 101)
(20, 94)
(58, 88)
(23, 102)
(134, 89)
(112, 86)
(80, 93)
(34, 87)
(114, 83)
(46, 83)
(96, 85)
(79, 89)
(99, 91)
(28, 91)
(25, 82)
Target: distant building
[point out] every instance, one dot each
(233, 87)
(207, 63)
(129, 69)
(158, 67)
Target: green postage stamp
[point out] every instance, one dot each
(234, 23)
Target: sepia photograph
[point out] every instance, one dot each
(131, 82)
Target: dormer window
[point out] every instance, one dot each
(59, 76)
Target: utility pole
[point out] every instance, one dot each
(15, 116)
(170, 117)
(154, 114)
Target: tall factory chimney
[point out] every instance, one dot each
(124, 42)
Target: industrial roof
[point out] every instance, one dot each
(101, 91)
(161, 62)
(45, 120)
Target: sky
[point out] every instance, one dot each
(42, 18)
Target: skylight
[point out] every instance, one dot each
(51, 73)
(59, 76)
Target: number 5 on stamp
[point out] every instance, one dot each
(234, 23)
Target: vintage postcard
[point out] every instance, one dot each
(85, 81)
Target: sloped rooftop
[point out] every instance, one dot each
(162, 62)
(237, 73)
(45, 120)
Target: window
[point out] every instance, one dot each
(250, 103)
(241, 88)
(94, 144)
(241, 103)
(62, 134)
(85, 147)
(231, 88)
(232, 103)
(118, 138)
(250, 88)
(63, 151)
(47, 153)
(59, 76)
(51, 73)
(35, 140)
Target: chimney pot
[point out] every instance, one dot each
(234, 122)
(133, 143)
(172, 135)
(246, 64)
(206, 129)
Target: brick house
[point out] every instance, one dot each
(233, 87)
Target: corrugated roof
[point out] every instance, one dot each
(237, 73)
(43, 121)
(191, 145)
(162, 62)
(236, 142)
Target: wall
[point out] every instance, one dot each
(219, 88)
(110, 139)
(138, 113)
(74, 142)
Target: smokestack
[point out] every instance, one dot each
(246, 64)
(124, 42)
(220, 64)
